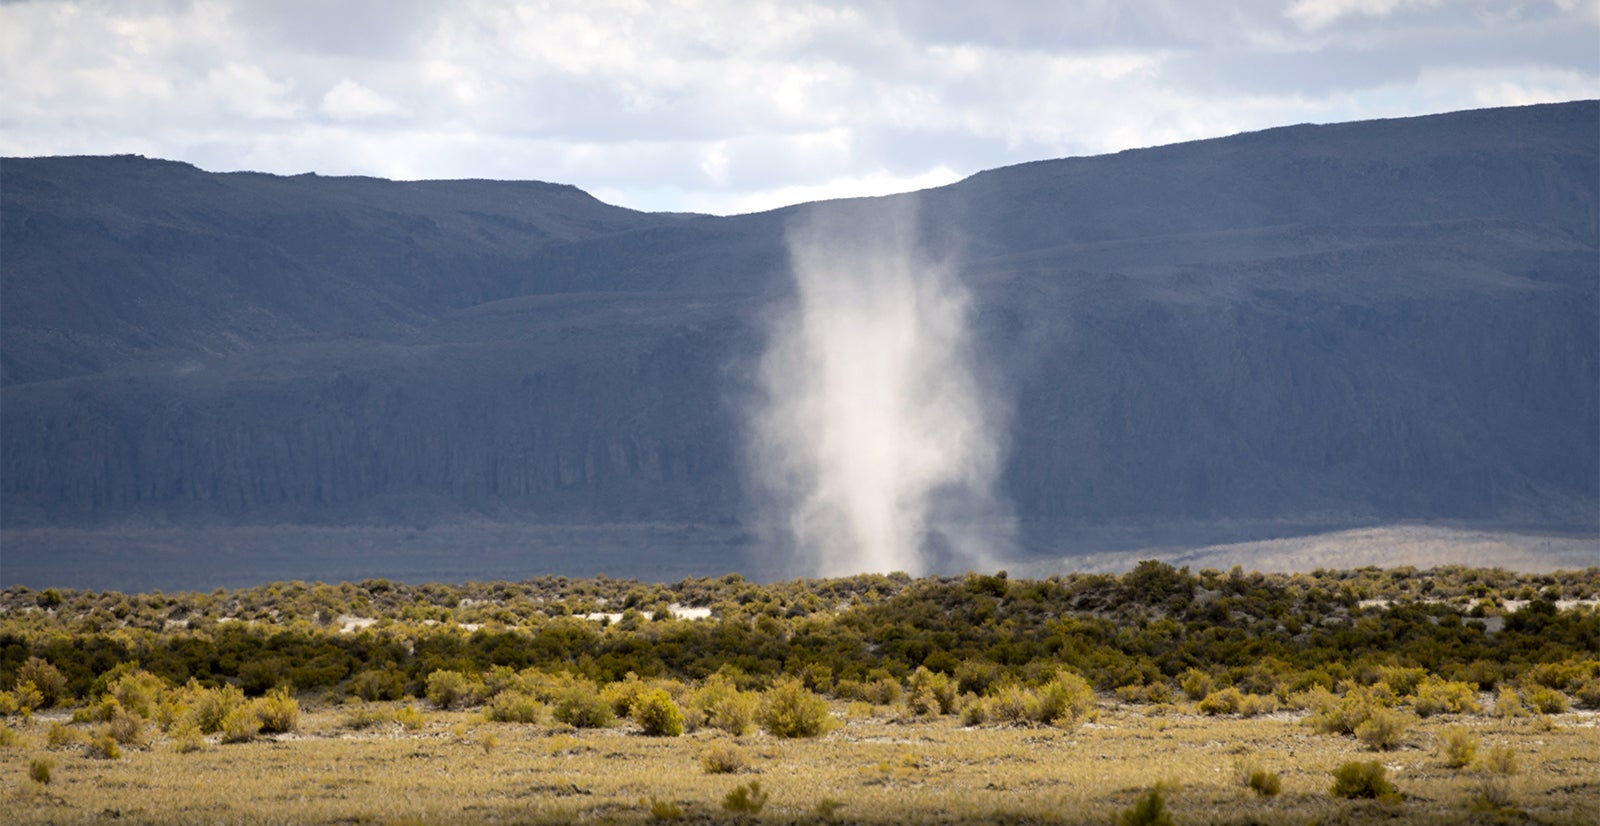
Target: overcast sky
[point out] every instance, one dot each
(737, 106)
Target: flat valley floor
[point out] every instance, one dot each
(874, 769)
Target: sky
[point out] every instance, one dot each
(745, 105)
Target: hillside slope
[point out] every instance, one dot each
(1327, 326)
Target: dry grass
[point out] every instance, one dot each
(868, 770)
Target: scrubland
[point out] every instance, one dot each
(1160, 696)
(874, 768)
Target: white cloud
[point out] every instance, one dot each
(714, 163)
(1584, 10)
(250, 92)
(1312, 15)
(727, 105)
(1552, 88)
(351, 101)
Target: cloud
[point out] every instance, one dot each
(351, 101)
(716, 104)
(248, 91)
(1312, 15)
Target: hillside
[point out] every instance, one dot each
(1306, 328)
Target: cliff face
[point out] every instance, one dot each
(1382, 320)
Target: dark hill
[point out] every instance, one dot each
(111, 260)
(1228, 339)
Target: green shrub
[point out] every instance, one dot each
(1012, 703)
(1402, 682)
(446, 689)
(240, 725)
(974, 711)
(582, 707)
(747, 799)
(826, 808)
(1196, 684)
(1264, 783)
(1383, 730)
(379, 684)
(1222, 701)
(851, 690)
(1560, 676)
(1305, 680)
(100, 712)
(663, 809)
(1508, 704)
(884, 691)
(1355, 780)
(724, 758)
(789, 709)
(1486, 674)
(46, 679)
(817, 677)
(1066, 700)
(1149, 810)
(622, 694)
(976, 676)
(8, 737)
(1588, 694)
(920, 702)
(9, 704)
(514, 707)
(39, 769)
(59, 736)
(364, 716)
(1501, 760)
(278, 712)
(1492, 795)
(735, 713)
(1255, 705)
(102, 747)
(1345, 714)
(1131, 693)
(127, 728)
(24, 698)
(209, 707)
(720, 704)
(410, 718)
(141, 692)
(1439, 696)
(186, 737)
(931, 692)
(170, 710)
(657, 715)
(1157, 692)
(1457, 747)
(1548, 700)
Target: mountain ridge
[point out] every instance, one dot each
(1333, 326)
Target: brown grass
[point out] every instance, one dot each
(868, 770)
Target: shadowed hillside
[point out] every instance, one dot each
(1308, 327)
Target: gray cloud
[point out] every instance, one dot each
(359, 29)
(719, 105)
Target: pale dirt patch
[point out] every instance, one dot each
(350, 623)
(1389, 546)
